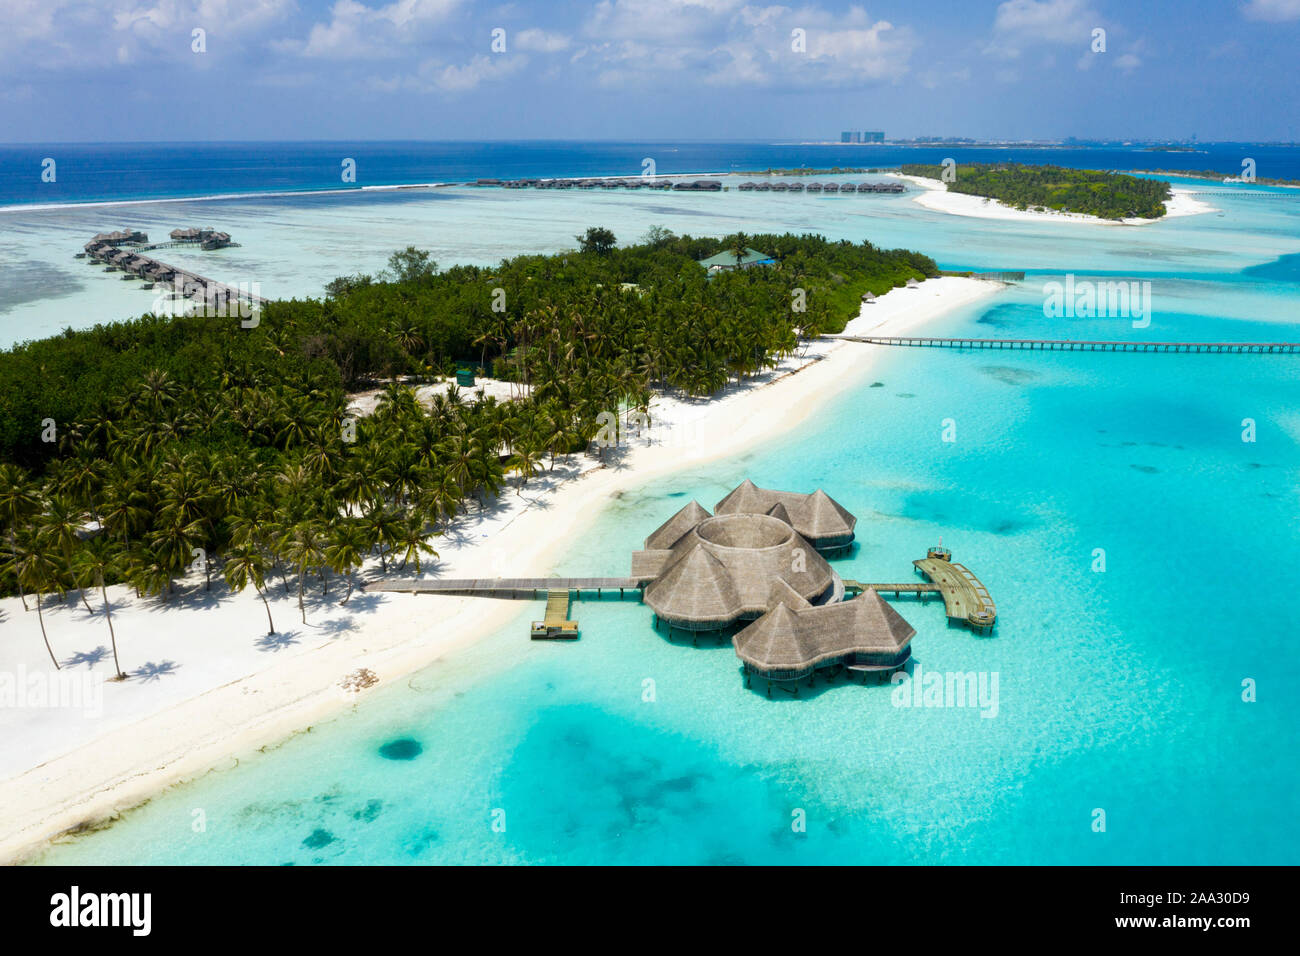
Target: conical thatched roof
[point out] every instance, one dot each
(823, 516)
(671, 531)
(750, 551)
(795, 641)
(779, 640)
(782, 593)
(745, 498)
(817, 516)
(697, 588)
(778, 511)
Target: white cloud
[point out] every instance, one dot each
(88, 34)
(730, 43)
(356, 31)
(541, 41)
(480, 69)
(1272, 11)
(1022, 24)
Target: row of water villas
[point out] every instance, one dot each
(780, 187)
(695, 185)
(120, 251)
(699, 185)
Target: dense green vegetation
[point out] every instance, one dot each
(198, 445)
(1088, 191)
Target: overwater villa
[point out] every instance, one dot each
(751, 561)
(121, 237)
(207, 238)
(756, 567)
(721, 569)
(794, 639)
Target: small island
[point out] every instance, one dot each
(1218, 177)
(1088, 192)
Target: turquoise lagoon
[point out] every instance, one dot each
(1118, 691)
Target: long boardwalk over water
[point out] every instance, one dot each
(503, 587)
(1075, 345)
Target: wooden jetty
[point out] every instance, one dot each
(512, 588)
(556, 625)
(1075, 345)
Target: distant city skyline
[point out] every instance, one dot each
(185, 70)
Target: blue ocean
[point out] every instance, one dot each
(1152, 691)
(114, 172)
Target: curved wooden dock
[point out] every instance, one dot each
(1075, 345)
(964, 597)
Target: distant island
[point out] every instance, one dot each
(1090, 192)
(1218, 177)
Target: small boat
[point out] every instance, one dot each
(146, 285)
(79, 255)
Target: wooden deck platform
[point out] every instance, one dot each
(964, 597)
(556, 625)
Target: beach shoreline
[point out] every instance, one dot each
(934, 195)
(230, 699)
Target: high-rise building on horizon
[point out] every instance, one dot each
(862, 136)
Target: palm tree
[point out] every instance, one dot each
(412, 539)
(303, 546)
(245, 564)
(739, 247)
(18, 502)
(346, 550)
(94, 561)
(526, 460)
(38, 570)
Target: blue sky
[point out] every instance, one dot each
(95, 70)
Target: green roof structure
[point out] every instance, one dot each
(727, 259)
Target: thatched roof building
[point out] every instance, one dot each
(818, 517)
(793, 638)
(121, 236)
(704, 573)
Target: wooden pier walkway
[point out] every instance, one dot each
(1075, 345)
(857, 587)
(512, 588)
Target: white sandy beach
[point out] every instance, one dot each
(209, 685)
(935, 195)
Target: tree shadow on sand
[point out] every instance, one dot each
(362, 601)
(89, 658)
(277, 641)
(154, 670)
(340, 625)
